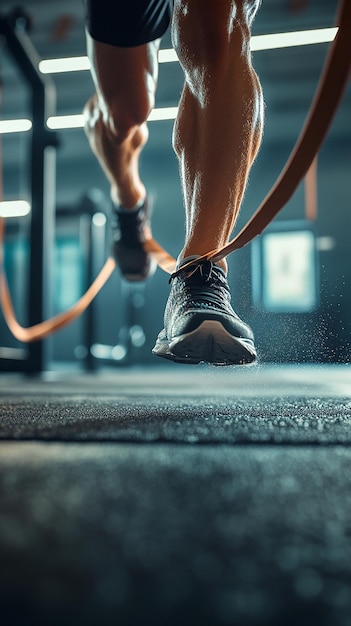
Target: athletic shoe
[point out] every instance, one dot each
(130, 229)
(200, 324)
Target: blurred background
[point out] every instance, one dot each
(292, 284)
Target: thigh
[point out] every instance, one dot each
(124, 76)
(127, 22)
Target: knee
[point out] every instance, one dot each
(206, 33)
(124, 115)
(118, 118)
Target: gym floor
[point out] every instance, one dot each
(174, 495)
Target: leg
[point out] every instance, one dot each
(116, 126)
(125, 81)
(216, 137)
(219, 126)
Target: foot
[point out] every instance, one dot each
(130, 230)
(200, 324)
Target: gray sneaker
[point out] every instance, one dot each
(200, 324)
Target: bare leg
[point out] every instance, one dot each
(218, 130)
(125, 81)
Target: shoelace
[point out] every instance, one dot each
(213, 288)
(204, 267)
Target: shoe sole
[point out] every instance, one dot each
(210, 343)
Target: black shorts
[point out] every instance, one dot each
(127, 22)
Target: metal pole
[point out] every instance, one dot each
(42, 179)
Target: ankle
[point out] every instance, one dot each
(128, 199)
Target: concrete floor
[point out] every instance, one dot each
(177, 495)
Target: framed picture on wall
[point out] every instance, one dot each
(285, 276)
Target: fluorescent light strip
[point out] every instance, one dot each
(67, 64)
(258, 42)
(61, 122)
(167, 55)
(165, 113)
(14, 208)
(15, 126)
(82, 63)
(296, 38)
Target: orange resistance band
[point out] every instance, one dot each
(324, 106)
(46, 328)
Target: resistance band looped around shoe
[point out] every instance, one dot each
(325, 103)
